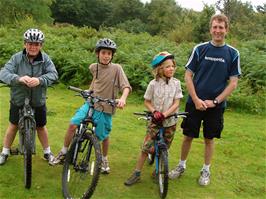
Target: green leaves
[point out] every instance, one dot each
(72, 51)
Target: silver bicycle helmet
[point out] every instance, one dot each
(105, 43)
(34, 35)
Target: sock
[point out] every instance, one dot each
(206, 167)
(104, 158)
(6, 151)
(182, 163)
(64, 150)
(137, 172)
(47, 150)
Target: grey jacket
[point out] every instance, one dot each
(18, 66)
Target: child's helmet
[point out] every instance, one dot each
(105, 43)
(34, 35)
(161, 57)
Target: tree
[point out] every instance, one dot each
(123, 10)
(201, 28)
(163, 16)
(17, 10)
(245, 22)
(234, 9)
(81, 12)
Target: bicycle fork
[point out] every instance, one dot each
(159, 145)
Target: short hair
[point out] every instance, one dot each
(220, 18)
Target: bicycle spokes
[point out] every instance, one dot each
(80, 178)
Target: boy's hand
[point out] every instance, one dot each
(25, 79)
(120, 103)
(29, 81)
(34, 81)
(158, 117)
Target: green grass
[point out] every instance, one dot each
(238, 167)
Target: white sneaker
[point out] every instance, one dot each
(49, 157)
(59, 159)
(177, 172)
(204, 178)
(105, 167)
(3, 158)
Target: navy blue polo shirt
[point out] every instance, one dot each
(212, 67)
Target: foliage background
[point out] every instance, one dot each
(72, 28)
(72, 50)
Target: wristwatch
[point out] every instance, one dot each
(215, 102)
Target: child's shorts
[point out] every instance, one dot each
(102, 120)
(152, 130)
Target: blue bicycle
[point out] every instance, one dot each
(160, 155)
(81, 170)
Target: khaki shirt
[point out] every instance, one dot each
(109, 81)
(162, 96)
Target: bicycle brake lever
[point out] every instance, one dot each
(142, 118)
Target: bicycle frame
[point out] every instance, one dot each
(160, 152)
(84, 158)
(159, 144)
(83, 128)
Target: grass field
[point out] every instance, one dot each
(238, 167)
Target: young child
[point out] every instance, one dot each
(28, 70)
(108, 79)
(162, 98)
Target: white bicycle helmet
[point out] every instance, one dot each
(34, 35)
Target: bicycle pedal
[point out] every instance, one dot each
(14, 151)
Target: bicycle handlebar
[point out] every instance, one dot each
(148, 115)
(87, 94)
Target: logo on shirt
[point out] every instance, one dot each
(214, 59)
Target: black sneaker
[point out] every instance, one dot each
(132, 179)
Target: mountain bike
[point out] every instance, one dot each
(27, 137)
(82, 166)
(160, 156)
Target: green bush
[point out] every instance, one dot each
(72, 50)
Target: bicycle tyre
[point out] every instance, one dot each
(163, 173)
(27, 158)
(81, 183)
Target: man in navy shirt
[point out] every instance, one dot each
(211, 75)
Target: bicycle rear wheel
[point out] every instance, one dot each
(27, 158)
(80, 177)
(163, 173)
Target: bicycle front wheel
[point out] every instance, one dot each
(163, 173)
(27, 158)
(81, 170)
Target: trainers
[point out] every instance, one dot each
(59, 159)
(177, 172)
(132, 179)
(3, 158)
(49, 157)
(105, 167)
(204, 178)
